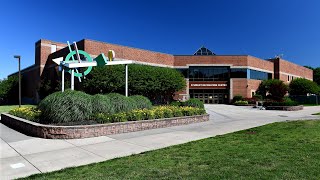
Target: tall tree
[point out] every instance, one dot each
(157, 83)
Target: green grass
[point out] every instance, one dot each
(316, 113)
(4, 109)
(286, 150)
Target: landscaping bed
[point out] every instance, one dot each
(85, 131)
(285, 108)
(74, 114)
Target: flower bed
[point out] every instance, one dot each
(85, 131)
(74, 114)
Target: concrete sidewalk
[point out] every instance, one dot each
(21, 155)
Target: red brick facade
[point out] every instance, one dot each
(45, 68)
(287, 71)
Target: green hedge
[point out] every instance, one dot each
(68, 106)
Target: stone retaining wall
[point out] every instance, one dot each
(85, 131)
(285, 108)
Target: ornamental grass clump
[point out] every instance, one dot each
(192, 102)
(121, 103)
(101, 104)
(63, 107)
(142, 102)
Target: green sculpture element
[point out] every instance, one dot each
(70, 58)
(101, 60)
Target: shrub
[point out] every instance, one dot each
(192, 102)
(301, 86)
(241, 102)
(101, 104)
(250, 100)
(68, 106)
(274, 87)
(158, 112)
(157, 83)
(29, 113)
(102, 118)
(188, 111)
(175, 103)
(119, 117)
(121, 103)
(150, 114)
(136, 115)
(178, 112)
(168, 113)
(9, 89)
(257, 97)
(142, 102)
(286, 102)
(237, 98)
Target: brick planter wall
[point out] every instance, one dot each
(285, 108)
(85, 131)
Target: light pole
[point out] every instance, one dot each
(19, 57)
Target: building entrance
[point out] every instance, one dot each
(210, 96)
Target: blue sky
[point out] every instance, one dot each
(258, 28)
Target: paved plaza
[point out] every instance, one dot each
(22, 155)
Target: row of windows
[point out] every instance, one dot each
(259, 75)
(207, 73)
(222, 74)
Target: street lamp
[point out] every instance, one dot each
(19, 57)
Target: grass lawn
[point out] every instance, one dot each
(4, 109)
(286, 150)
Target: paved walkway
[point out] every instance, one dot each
(21, 155)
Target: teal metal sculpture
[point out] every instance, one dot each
(72, 65)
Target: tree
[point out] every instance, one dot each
(301, 86)
(9, 89)
(157, 83)
(316, 75)
(274, 89)
(309, 67)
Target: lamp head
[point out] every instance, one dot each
(17, 56)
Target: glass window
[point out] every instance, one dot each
(184, 72)
(259, 75)
(208, 73)
(238, 73)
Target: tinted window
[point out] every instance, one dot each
(184, 72)
(208, 73)
(259, 75)
(238, 73)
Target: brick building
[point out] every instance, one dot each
(209, 77)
